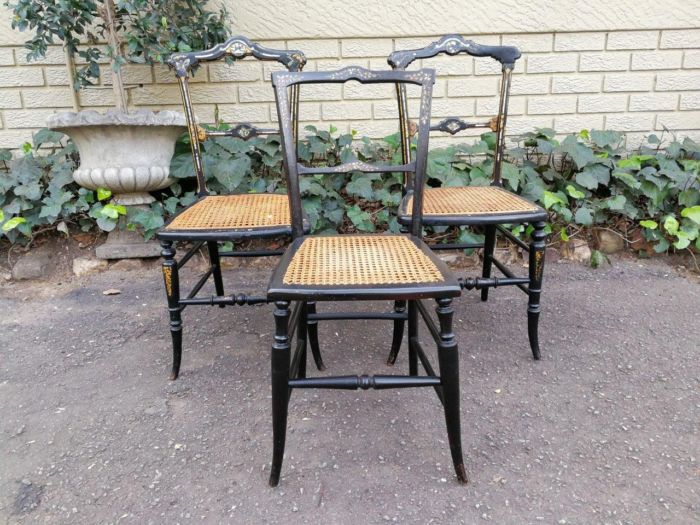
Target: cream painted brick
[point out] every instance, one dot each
(579, 41)
(7, 57)
(206, 113)
(530, 43)
(691, 59)
(472, 87)
(56, 76)
(47, 98)
(237, 113)
(386, 109)
(332, 65)
(575, 123)
(98, 98)
(131, 75)
(21, 76)
(560, 62)
(688, 101)
(488, 66)
(680, 38)
(355, 90)
(367, 47)
(601, 103)
(629, 82)
(685, 81)
(452, 107)
(630, 122)
(15, 138)
(346, 110)
(10, 99)
(271, 67)
(54, 56)
(201, 94)
(376, 129)
(529, 85)
(552, 104)
(489, 107)
(615, 61)
(237, 72)
(155, 95)
(577, 84)
(26, 118)
(634, 139)
(307, 111)
(652, 60)
(678, 120)
(653, 102)
(163, 75)
(451, 65)
(320, 92)
(316, 48)
(632, 39)
(517, 124)
(252, 93)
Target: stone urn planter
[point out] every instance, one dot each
(127, 153)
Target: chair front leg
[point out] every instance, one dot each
(313, 338)
(215, 262)
(537, 251)
(448, 359)
(172, 291)
(489, 246)
(399, 308)
(280, 388)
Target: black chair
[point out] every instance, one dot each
(490, 207)
(358, 268)
(212, 219)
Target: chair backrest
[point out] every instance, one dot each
(454, 45)
(281, 81)
(236, 47)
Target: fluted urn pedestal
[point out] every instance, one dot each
(127, 153)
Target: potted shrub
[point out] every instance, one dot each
(126, 152)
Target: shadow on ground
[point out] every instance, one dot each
(603, 430)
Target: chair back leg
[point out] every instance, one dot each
(313, 338)
(215, 263)
(489, 246)
(397, 338)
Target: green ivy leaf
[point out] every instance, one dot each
(692, 213)
(587, 180)
(598, 258)
(671, 225)
(616, 203)
(649, 224)
(683, 240)
(361, 219)
(579, 153)
(103, 194)
(360, 186)
(574, 193)
(13, 223)
(584, 216)
(550, 199)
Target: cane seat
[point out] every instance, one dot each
(462, 203)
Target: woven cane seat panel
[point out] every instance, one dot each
(360, 260)
(234, 212)
(472, 200)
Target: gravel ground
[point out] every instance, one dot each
(604, 429)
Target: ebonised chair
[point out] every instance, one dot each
(212, 219)
(359, 268)
(490, 207)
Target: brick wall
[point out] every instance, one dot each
(637, 81)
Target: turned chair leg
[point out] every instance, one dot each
(399, 308)
(537, 250)
(172, 290)
(313, 338)
(412, 338)
(280, 388)
(215, 262)
(302, 338)
(489, 246)
(448, 359)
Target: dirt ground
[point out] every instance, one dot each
(604, 429)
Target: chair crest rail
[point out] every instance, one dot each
(237, 47)
(453, 45)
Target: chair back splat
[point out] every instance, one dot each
(453, 45)
(235, 48)
(281, 81)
